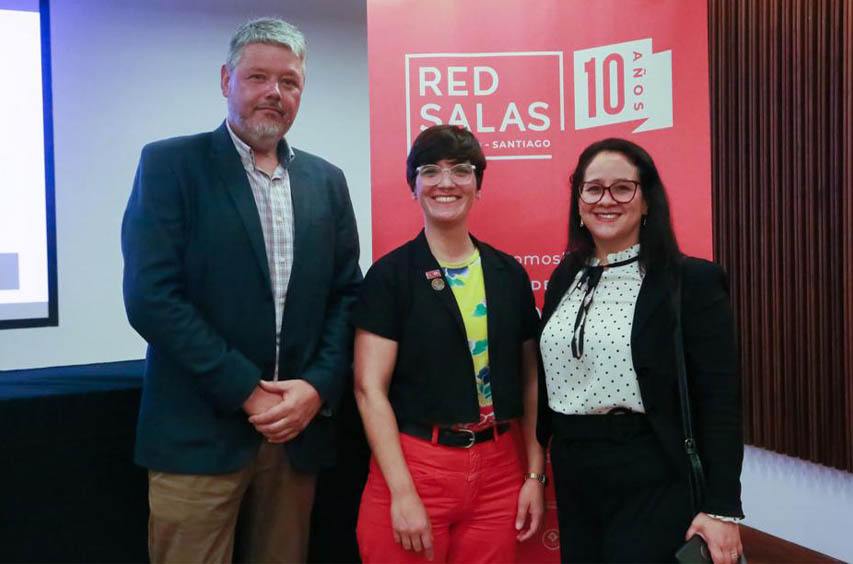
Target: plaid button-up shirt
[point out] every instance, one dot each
(275, 208)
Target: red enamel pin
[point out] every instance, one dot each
(432, 274)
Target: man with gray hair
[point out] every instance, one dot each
(241, 266)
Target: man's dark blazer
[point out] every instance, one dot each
(711, 356)
(197, 288)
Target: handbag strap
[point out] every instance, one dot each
(697, 474)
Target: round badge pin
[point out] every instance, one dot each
(437, 284)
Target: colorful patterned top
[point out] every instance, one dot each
(466, 281)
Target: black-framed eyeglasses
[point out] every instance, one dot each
(460, 174)
(622, 191)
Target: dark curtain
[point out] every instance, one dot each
(781, 78)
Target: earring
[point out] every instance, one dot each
(645, 217)
(581, 222)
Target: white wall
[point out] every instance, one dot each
(805, 503)
(127, 72)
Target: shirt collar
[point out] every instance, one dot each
(247, 156)
(628, 253)
(475, 256)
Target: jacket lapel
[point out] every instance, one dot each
(653, 291)
(557, 288)
(300, 196)
(653, 294)
(423, 262)
(227, 162)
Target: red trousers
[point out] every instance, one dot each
(470, 495)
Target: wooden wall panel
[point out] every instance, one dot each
(782, 163)
(846, 161)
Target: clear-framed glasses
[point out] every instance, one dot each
(622, 191)
(460, 174)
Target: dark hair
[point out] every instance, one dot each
(451, 142)
(658, 246)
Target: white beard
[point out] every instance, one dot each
(263, 130)
(259, 131)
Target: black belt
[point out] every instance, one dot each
(462, 438)
(618, 426)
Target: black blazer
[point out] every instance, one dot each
(711, 356)
(433, 379)
(197, 288)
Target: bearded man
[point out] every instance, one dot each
(241, 266)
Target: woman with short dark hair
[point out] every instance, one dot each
(609, 392)
(445, 363)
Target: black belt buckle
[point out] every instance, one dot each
(620, 428)
(457, 438)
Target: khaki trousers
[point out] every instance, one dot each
(194, 517)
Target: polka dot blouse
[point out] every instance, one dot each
(603, 378)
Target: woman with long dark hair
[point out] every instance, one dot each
(609, 394)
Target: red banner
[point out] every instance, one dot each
(537, 82)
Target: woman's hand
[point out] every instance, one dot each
(410, 523)
(531, 501)
(531, 498)
(374, 361)
(723, 538)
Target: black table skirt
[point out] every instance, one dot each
(69, 491)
